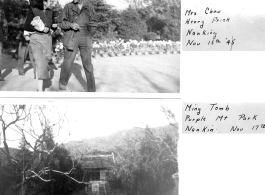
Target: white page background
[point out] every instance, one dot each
(214, 164)
(222, 164)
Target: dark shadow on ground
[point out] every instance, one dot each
(142, 74)
(7, 68)
(174, 78)
(153, 84)
(125, 74)
(76, 71)
(100, 81)
(6, 72)
(47, 83)
(160, 87)
(28, 68)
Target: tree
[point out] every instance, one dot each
(148, 164)
(163, 18)
(130, 25)
(137, 4)
(61, 162)
(37, 160)
(106, 16)
(14, 11)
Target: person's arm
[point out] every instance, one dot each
(49, 23)
(4, 22)
(27, 25)
(54, 24)
(93, 20)
(21, 23)
(59, 20)
(57, 17)
(64, 22)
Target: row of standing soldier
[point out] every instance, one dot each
(78, 21)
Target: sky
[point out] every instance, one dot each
(102, 117)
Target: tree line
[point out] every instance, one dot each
(38, 165)
(148, 20)
(149, 165)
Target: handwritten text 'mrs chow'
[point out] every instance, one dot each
(208, 11)
(206, 24)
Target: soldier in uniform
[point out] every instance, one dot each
(79, 19)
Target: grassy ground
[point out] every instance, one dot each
(131, 74)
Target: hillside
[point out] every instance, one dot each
(14, 152)
(137, 159)
(117, 140)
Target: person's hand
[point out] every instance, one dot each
(46, 30)
(27, 38)
(75, 26)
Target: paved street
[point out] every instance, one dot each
(130, 74)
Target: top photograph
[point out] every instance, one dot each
(124, 46)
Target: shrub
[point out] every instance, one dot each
(130, 26)
(150, 36)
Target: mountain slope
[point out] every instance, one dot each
(117, 140)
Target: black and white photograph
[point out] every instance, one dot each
(93, 147)
(127, 46)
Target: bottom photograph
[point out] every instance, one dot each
(93, 146)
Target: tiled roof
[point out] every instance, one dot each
(98, 161)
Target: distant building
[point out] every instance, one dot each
(97, 170)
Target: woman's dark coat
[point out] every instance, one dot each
(37, 10)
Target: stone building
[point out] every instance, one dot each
(97, 170)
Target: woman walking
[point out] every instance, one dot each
(23, 46)
(39, 23)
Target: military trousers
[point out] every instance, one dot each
(83, 42)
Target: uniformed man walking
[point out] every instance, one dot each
(79, 25)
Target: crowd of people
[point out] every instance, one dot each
(78, 22)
